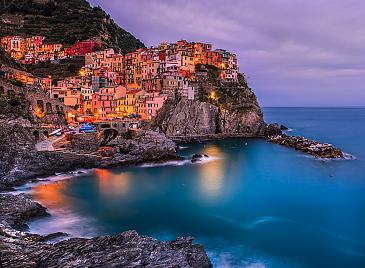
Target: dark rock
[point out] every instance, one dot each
(124, 250)
(19, 249)
(282, 127)
(273, 129)
(16, 210)
(317, 149)
(53, 236)
(198, 157)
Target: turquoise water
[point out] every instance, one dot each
(251, 204)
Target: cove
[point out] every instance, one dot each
(251, 203)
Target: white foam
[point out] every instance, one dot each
(64, 220)
(347, 156)
(202, 160)
(26, 188)
(168, 163)
(206, 159)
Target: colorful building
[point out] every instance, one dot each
(81, 48)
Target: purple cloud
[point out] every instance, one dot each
(295, 52)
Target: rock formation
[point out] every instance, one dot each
(221, 110)
(314, 148)
(128, 249)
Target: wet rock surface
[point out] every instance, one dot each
(274, 129)
(198, 157)
(314, 148)
(16, 210)
(128, 249)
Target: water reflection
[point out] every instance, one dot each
(212, 173)
(61, 207)
(111, 184)
(52, 195)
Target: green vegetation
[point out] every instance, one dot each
(11, 104)
(64, 21)
(17, 83)
(65, 68)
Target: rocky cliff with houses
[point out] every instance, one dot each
(221, 110)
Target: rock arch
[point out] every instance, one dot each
(36, 135)
(108, 135)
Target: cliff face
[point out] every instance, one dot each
(63, 21)
(185, 118)
(221, 109)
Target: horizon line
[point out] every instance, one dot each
(355, 106)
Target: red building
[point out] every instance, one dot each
(82, 47)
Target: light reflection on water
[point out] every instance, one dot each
(212, 173)
(251, 204)
(111, 184)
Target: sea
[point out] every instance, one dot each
(250, 203)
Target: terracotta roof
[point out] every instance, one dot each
(133, 91)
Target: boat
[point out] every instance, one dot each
(87, 128)
(55, 132)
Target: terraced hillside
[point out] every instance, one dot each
(63, 21)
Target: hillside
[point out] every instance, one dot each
(63, 21)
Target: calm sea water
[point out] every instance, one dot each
(251, 204)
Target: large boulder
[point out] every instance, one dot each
(147, 146)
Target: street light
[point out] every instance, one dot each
(50, 84)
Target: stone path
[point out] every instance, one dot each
(47, 145)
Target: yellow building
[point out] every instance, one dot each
(129, 104)
(187, 62)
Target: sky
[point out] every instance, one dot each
(294, 52)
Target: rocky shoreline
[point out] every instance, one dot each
(128, 249)
(314, 148)
(22, 163)
(22, 249)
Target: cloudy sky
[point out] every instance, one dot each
(294, 52)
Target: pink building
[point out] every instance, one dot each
(105, 102)
(153, 102)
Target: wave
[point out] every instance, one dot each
(168, 163)
(289, 130)
(26, 188)
(224, 254)
(203, 160)
(270, 219)
(347, 156)
(248, 225)
(64, 220)
(183, 147)
(228, 260)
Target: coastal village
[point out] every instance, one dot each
(119, 91)
(115, 110)
(113, 86)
